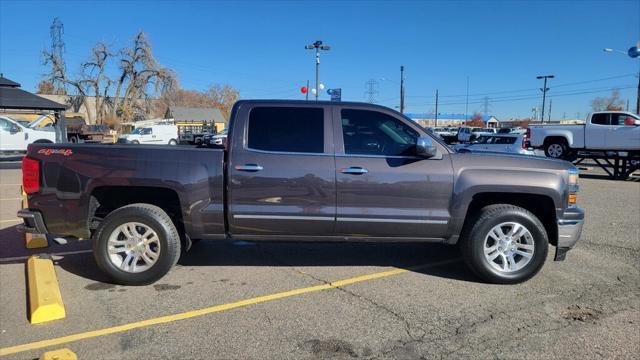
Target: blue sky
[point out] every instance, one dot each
(258, 47)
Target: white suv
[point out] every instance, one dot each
(14, 137)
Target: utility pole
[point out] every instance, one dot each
(466, 104)
(549, 116)
(402, 89)
(544, 92)
(436, 123)
(317, 45)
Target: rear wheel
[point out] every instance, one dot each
(556, 148)
(505, 245)
(173, 142)
(136, 244)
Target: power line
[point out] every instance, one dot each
(529, 97)
(534, 95)
(525, 90)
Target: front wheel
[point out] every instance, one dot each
(136, 244)
(173, 142)
(505, 245)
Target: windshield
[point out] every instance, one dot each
(141, 131)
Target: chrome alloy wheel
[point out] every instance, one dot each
(555, 150)
(133, 247)
(508, 247)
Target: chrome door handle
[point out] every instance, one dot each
(354, 170)
(248, 167)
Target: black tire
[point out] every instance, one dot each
(135, 142)
(74, 139)
(151, 216)
(173, 142)
(556, 148)
(43, 141)
(473, 237)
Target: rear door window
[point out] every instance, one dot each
(619, 119)
(600, 119)
(286, 129)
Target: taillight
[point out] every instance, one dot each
(524, 142)
(528, 133)
(30, 175)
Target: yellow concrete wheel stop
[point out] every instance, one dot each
(35, 241)
(45, 300)
(60, 354)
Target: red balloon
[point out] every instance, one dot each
(303, 89)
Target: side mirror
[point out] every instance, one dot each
(14, 129)
(425, 147)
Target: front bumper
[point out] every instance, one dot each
(33, 222)
(569, 231)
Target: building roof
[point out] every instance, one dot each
(453, 117)
(4, 82)
(12, 97)
(180, 113)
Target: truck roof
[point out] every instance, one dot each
(313, 102)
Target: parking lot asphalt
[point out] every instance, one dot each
(587, 306)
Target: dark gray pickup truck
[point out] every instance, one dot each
(303, 171)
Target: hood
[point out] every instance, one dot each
(509, 161)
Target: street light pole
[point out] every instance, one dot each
(544, 93)
(317, 45)
(436, 122)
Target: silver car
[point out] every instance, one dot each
(502, 143)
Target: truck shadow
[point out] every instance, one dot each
(76, 257)
(429, 259)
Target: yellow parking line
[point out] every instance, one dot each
(209, 310)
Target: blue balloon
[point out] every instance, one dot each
(634, 52)
(330, 91)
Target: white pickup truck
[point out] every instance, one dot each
(603, 130)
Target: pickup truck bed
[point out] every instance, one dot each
(73, 183)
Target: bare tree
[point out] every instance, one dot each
(139, 73)
(476, 121)
(46, 87)
(217, 96)
(610, 103)
(140, 78)
(58, 74)
(94, 77)
(223, 97)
